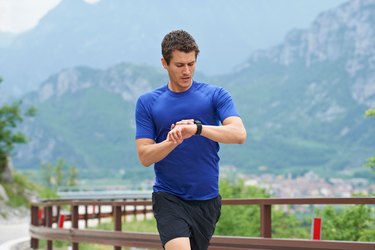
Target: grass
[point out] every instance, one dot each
(20, 190)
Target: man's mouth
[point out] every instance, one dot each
(185, 78)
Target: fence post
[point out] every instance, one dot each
(144, 210)
(34, 242)
(75, 219)
(265, 221)
(117, 213)
(86, 216)
(49, 221)
(99, 214)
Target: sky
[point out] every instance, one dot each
(17, 16)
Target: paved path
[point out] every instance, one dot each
(10, 233)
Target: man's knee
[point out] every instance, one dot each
(181, 243)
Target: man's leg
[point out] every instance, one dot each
(172, 221)
(181, 243)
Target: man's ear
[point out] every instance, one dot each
(164, 63)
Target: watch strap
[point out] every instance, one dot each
(199, 127)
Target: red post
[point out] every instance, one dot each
(40, 213)
(61, 221)
(316, 229)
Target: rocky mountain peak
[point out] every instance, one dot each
(68, 80)
(344, 35)
(345, 32)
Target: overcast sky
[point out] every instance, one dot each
(19, 15)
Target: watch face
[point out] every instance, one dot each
(197, 122)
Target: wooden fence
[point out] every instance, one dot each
(46, 226)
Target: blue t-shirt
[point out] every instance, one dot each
(191, 170)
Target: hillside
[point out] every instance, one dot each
(302, 103)
(305, 98)
(109, 32)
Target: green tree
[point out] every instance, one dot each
(370, 161)
(11, 116)
(59, 174)
(244, 220)
(355, 223)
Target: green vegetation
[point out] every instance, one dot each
(370, 161)
(244, 220)
(22, 189)
(59, 174)
(355, 223)
(352, 223)
(298, 119)
(11, 116)
(18, 187)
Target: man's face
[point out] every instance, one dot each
(180, 70)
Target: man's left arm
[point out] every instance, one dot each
(231, 132)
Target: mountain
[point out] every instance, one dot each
(86, 116)
(306, 97)
(302, 103)
(109, 32)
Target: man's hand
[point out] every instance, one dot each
(182, 130)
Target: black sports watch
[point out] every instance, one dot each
(199, 127)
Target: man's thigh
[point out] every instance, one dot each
(171, 218)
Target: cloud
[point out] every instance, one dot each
(20, 15)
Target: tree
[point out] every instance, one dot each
(245, 220)
(11, 116)
(354, 223)
(370, 161)
(59, 174)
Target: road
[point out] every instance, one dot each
(12, 231)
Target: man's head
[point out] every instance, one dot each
(178, 40)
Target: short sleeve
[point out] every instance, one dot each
(144, 122)
(224, 104)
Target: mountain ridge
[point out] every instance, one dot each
(77, 33)
(303, 113)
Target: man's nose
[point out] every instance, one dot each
(186, 70)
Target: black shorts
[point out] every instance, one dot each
(183, 218)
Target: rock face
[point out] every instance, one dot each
(3, 194)
(6, 175)
(346, 35)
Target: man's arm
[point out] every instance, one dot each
(231, 132)
(150, 152)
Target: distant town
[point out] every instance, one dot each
(307, 185)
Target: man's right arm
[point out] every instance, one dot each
(150, 152)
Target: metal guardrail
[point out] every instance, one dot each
(102, 194)
(42, 228)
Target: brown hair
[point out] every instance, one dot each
(178, 40)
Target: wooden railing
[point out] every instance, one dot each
(45, 227)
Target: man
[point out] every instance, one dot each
(177, 130)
